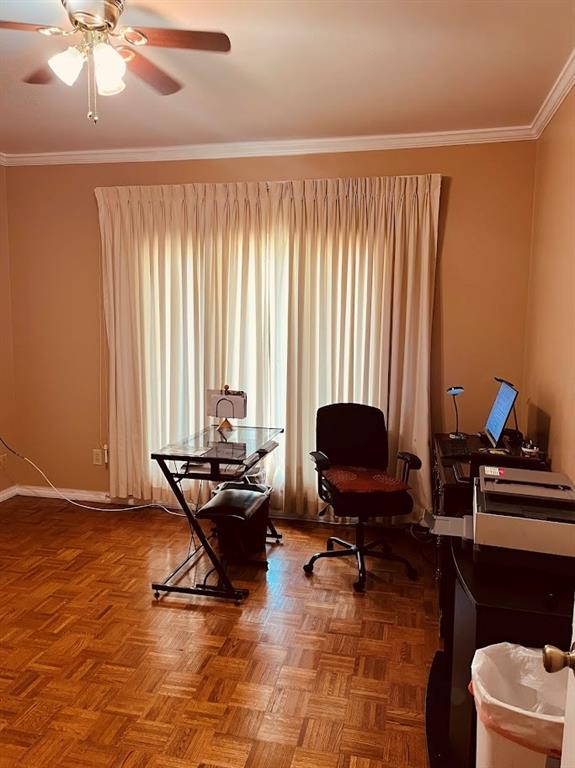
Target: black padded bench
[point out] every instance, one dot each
(241, 519)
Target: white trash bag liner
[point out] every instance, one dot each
(517, 698)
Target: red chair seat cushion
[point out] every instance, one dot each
(366, 492)
(362, 480)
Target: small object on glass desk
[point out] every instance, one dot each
(227, 404)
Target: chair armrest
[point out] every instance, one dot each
(410, 461)
(321, 460)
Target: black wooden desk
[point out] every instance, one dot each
(455, 566)
(455, 499)
(212, 455)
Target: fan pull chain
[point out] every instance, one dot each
(92, 91)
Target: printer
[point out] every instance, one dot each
(524, 509)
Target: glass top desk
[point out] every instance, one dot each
(211, 454)
(214, 455)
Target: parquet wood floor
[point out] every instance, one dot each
(306, 674)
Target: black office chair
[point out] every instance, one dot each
(351, 461)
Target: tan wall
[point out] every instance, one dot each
(6, 360)
(550, 334)
(54, 250)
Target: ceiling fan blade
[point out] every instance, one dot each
(152, 74)
(183, 38)
(40, 76)
(56, 31)
(20, 26)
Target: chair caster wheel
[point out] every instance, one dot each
(412, 574)
(157, 595)
(308, 568)
(359, 586)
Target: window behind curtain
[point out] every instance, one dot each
(301, 293)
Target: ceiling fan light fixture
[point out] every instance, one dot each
(67, 65)
(110, 68)
(106, 48)
(111, 89)
(94, 14)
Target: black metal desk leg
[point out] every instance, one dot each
(273, 532)
(225, 588)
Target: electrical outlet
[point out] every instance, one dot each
(3, 460)
(97, 457)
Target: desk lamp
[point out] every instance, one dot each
(454, 392)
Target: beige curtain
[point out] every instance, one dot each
(301, 293)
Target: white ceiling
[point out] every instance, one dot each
(298, 69)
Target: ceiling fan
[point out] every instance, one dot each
(107, 48)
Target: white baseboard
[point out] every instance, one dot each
(7, 493)
(72, 493)
(42, 491)
(99, 497)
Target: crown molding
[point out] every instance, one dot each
(274, 148)
(553, 100)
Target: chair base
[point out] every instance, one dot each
(359, 550)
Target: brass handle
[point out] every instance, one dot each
(554, 659)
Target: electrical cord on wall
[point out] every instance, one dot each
(87, 506)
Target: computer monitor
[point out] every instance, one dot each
(500, 410)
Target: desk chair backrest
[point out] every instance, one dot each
(352, 435)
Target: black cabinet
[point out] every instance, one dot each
(507, 596)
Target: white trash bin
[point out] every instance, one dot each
(520, 707)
